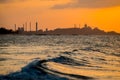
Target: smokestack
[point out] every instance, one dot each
(85, 25)
(15, 27)
(30, 26)
(79, 25)
(23, 26)
(36, 26)
(75, 25)
(26, 25)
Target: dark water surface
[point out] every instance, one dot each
(32, 57)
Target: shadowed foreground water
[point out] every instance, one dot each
(59, 57)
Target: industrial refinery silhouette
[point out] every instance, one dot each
(85, 30)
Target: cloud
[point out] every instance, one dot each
(5, 1)
(88, 4)
(9, 1)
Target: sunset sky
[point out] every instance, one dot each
(51, 14)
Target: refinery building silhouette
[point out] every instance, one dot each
(85, 30)
(24, 29)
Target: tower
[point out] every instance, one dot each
(30, 26)
(23, 27)
(36, 26)
(85, 25)
(46, 29)
(75, 25)
(79, 25)
(15, 27)
(26, 26)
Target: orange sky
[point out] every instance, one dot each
(52, 14)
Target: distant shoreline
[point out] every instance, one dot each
(57, 35)
(86, 30)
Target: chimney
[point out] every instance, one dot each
(23, 27)
(30, 26)
(26, 26)
(36, 26)
(15, 27)
(79, 25)
(75, 25)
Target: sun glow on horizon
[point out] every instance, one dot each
(39, 10)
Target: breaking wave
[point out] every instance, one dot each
(38, 70)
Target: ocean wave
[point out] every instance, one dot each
(37, 70)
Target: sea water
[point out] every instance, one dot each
(59, 57)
